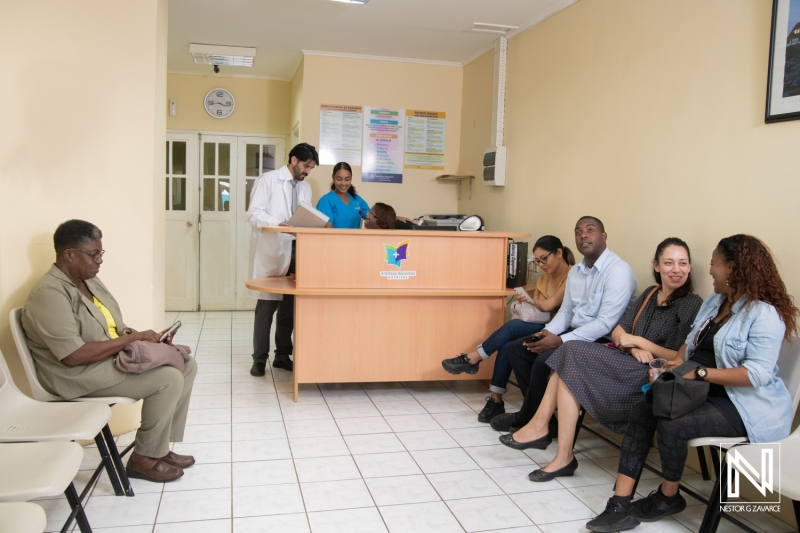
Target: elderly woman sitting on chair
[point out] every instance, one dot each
(74, 329)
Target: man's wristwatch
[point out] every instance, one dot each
(701, 372)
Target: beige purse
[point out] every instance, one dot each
(528, 313)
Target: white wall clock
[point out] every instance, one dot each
(219, 103)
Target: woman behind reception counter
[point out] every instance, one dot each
(342, 205)
(381, 216)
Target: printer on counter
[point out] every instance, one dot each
(440, 222)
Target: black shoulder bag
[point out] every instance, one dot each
(673, 396)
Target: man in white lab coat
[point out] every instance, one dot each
(273, 200)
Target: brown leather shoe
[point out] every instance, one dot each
(181, 461)
(156, 470)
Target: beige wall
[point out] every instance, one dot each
(366, 82)
(649, 115)
(262, 106)
(83, 139)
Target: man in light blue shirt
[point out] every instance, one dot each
(598, 292)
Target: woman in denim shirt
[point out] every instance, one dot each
(736, 338)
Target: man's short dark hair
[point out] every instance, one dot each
(304, 152)
(73, 233)
(596, 221)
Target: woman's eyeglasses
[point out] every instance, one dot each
(542, 260)
(94, 256)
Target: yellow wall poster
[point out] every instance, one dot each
(340, 134)
(425, 139)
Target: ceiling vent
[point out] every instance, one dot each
(485, 27)
(232, 56)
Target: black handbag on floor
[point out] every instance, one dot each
(674, 396)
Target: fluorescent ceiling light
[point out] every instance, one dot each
(232, 56)
(352, 1)
(485, 27)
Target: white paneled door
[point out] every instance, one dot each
(208, 256)
(182, 238)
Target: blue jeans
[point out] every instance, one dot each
(497, 341)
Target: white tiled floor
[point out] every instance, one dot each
(370, 457)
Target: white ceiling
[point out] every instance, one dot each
(428, 30)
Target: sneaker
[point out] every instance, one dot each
(460, 364)
(284, 363)
(491, 410)
(258, 369)
(655, 506)
(616, 517)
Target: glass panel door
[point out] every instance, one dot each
(218, 232)
(181, 239)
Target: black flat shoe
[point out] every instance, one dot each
(539, 444)
(258, 369)
(540, 476)
(460, 364)
(504, 422)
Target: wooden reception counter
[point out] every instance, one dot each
(380, 305)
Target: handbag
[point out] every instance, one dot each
(673, 396)
(528, 313)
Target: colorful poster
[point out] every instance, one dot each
(424, 139)
(340, 134)
(383, 145)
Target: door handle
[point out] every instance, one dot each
(188, 224)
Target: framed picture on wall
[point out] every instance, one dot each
(783, 80)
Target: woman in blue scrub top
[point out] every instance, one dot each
(344, 207)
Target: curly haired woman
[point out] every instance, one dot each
(736, 339)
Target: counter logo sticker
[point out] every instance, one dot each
(395, 255)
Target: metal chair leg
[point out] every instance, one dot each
(701, 457)
(77, 511)
(713, 512)
(578, 425)
(117, 459)
(715, 459)
(108, 464)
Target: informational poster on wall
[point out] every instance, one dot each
(383, 149)
(425, 139)
(340, 134)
